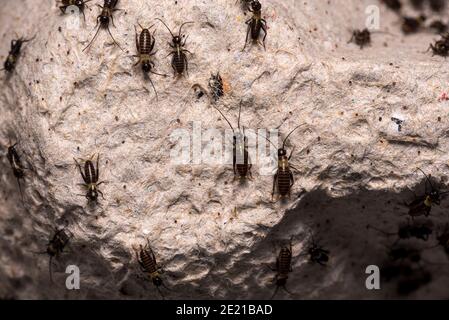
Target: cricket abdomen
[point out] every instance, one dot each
(284, 182)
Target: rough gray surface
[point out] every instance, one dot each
(354, 164)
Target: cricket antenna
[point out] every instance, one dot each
(286, 138)
(167, 27)
(109, 31)
(427, 177)
(276, 147)
(240, 111)
(93, 39)
(180, 28)
(225, 118)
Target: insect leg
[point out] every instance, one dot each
(27, 40)
(167, 288)
(291, 153)
(173, 52)
(234, 156)
(275, 292)
(81, 171)
(63, 9)
(138, 61)
(158, 74)
(151, 251)
(186, 63)
(98, 170)
(109, 31)
(274, 185)
(249, 171)
(247, 35)
(264, 28)
(285, 289)
(137, 40)
(50, 268)
(292, 179)
(154, 88)
(93, 39)
(352, 38)
(102, 195)
(293, 167)
(20, 188)
(112, 19)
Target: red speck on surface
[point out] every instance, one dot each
(444, 97)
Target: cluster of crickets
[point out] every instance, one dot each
(284, 176)
(413, 24)
(404, 263)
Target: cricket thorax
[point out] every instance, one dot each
(283, 163)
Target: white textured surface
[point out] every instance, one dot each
(355, 168)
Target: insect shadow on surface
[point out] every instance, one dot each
(443, 239)
(316, 252)
(394, 5)
(412, 25)
(421, 231)
(56, 246)
(362, 38)
(437, 5)
(14, 54)
(283, 268)
(441, 47)
(16, 165)
(106, 16)
(179, 61)
(438, 26)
